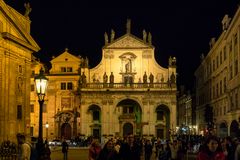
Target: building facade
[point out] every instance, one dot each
(16, 48)
(127, 92)
(186, 123)
(217, 80)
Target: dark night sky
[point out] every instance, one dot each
(179, 28)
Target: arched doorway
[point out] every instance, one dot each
(234, 131)
(130, 117)
(223, 130)
(127, 129)
(95, 112)
(66, 131)
(163, 121)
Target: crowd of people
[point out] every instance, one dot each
(133, 148)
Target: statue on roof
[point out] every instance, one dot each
(128, 26)
(106, 38)
(112, 35)
(149, 38)
(28, 9)
(144, 35)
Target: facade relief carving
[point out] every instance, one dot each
(128, 42)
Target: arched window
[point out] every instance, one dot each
(96, 116)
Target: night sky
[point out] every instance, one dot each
(179, 28)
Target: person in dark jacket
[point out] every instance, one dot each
(148, 150)
(64, 149)
(130, 150)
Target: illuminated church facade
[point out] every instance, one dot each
(127, 92)
(16, 48)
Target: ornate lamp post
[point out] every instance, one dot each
(41, 86)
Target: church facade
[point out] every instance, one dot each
(128, 92)
(16, 48)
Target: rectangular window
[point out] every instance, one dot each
(19, 112)
(125, 110)
(213, 65)
(221, 57)
(130, 109)
(159, 115)
(63, 69)
(32, 108)
(230, 47)
(217, 91)
(224, 53)
(217, 61)
(32, 87)
(69, 69)
(31, 131)
(69, 86)
(236, 67)
(96, 116)
(63, 86)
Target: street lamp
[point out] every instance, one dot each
(41, 86)
(46, 125)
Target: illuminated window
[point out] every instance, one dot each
(63, 69)
(69, 69)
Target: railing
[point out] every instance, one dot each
(128, 85)
(8, 151)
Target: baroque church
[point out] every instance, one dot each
(16, 48)
(127, 92)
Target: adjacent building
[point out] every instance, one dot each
(217, 80)
(16, 48)
(127, 92)
(186, 116)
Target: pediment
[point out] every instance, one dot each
(66, 56)
(128, 41)
(14, 29)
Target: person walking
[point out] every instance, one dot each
(64, 149)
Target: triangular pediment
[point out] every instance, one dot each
(17, 30)
(66, 56)
(128, 41)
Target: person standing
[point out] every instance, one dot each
(24, 148)
(148, 150)
(94, 150)
(64, 149)
(211, 150)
